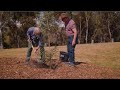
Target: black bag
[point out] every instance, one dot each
(63, 56)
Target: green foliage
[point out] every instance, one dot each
(102, 27)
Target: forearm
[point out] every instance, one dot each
(75, 35)
(28, 37)
(37, 47)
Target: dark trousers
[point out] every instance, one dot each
(71, 49)
(42, 53)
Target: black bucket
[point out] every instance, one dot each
(63, 56)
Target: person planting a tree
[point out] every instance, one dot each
(35, 42)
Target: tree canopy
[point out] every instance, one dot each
(92, 26)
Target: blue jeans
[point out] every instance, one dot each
(71, 49)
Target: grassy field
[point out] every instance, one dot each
(102, 54)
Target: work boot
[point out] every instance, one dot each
(70, 63)
(40, 61)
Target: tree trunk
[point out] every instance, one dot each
(1, 42)
(86, 30)
(18, 42)
(49, 40)
(101, 39)
(112, 40)
(109, 30)
(92, 41)
(104, 38)
(18, 39)
(48, 31)
(80, 31)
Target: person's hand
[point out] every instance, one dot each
(29, 40)
(73, 42)
(36, 49)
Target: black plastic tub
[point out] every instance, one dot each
(63, 56)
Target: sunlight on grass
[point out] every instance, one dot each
(103, 54)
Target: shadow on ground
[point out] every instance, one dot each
(35, 64)
(77, 63)
(54, 65)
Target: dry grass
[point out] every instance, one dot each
(103, 54)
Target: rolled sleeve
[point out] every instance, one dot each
(73, 25)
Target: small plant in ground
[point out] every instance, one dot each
(49, 55)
